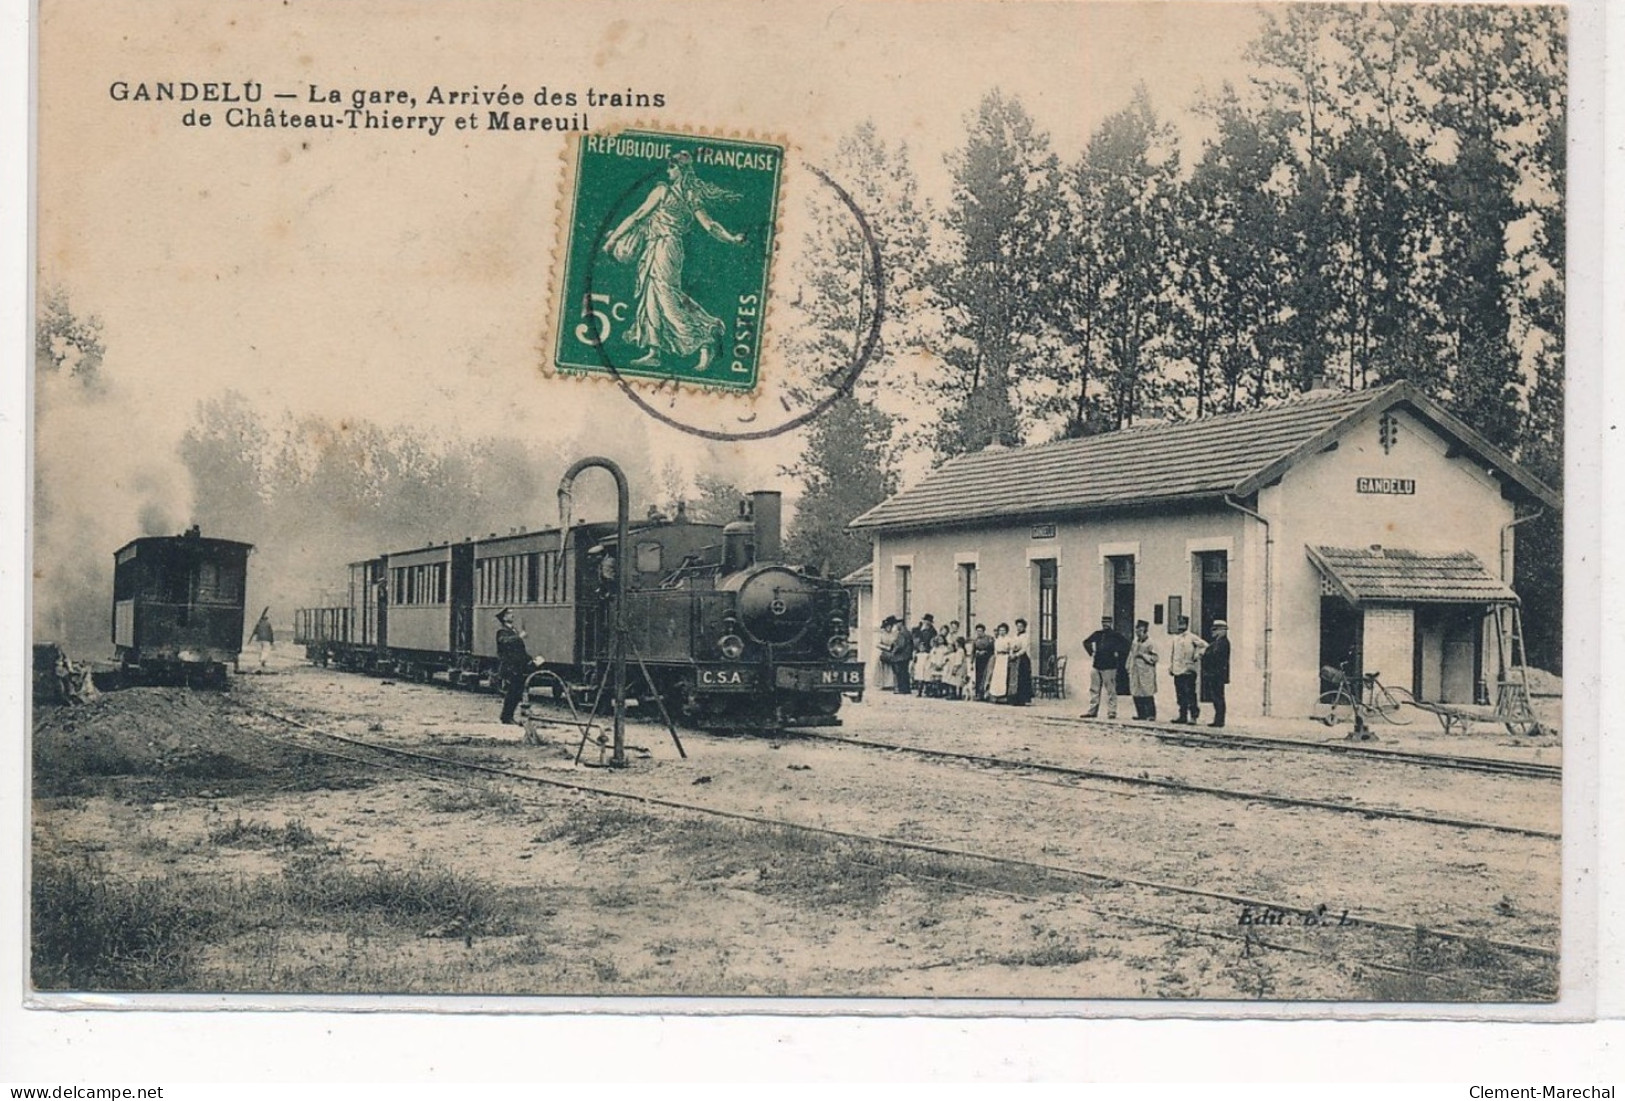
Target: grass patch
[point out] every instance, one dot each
(475, 797)
(255, 834)
(423, 895)
(1463, 970)
(1057, 953)
(585, 825)
(93, 930)
(96, 931)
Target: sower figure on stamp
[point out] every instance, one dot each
(1109, 650)
(1184, 662)
(513, 662)
(1216, 669)
(667, 319)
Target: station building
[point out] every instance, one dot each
(1371, 528)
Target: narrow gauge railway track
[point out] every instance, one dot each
(426, 761)
(1177, 786)
(1528, 769)
(1456, 762)
(1230, 741)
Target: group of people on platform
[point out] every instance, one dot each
(945, 664)
(1193, 662)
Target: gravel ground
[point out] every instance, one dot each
(601, 896)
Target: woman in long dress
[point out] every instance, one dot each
(667, 319)
(998, 673)
(1021, 661)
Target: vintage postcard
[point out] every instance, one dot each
(958, 507)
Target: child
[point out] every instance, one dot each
(955, 674)
(937, 668)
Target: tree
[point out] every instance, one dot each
(1227, 257)
(1003, 223)
(846, 470)
(1117, 237)
(847, 462)
(717, 500)
(67, 342)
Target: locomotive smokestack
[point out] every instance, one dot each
(764, 507)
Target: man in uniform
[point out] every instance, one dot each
(1216, 669)
(1184, 662)
(513, 662)
(1109, 650)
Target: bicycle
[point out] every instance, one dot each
(1359, 698)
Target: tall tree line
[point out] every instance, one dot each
(1382, 200)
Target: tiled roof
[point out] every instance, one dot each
(862, 577)
(1386, 575)
(1236, 453)
(1201, 458)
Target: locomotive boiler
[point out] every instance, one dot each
(718, 626)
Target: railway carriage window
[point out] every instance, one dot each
(532, 577)
(648, 557)
(552, 583)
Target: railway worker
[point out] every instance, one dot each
(1109, 651)
(513, 663)
(981, 652)
(1184, 662)
(1142, 672)
(1216, 669)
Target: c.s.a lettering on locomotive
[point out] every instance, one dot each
(730, 635)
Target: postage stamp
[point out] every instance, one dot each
(665, 271)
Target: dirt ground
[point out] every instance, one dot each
(249, 864)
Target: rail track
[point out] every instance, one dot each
(1177, 786)
(1457, 762)
(1234, 741)
(417, 762)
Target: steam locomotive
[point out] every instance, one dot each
(178, 607)
(726, 634)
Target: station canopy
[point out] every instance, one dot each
(1389, 575)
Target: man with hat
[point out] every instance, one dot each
(1184, 663)
(1216, 669)
(1109, 650)
(513, 663)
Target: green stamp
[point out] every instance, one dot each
(665, 272)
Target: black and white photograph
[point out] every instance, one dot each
(1013, 508)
